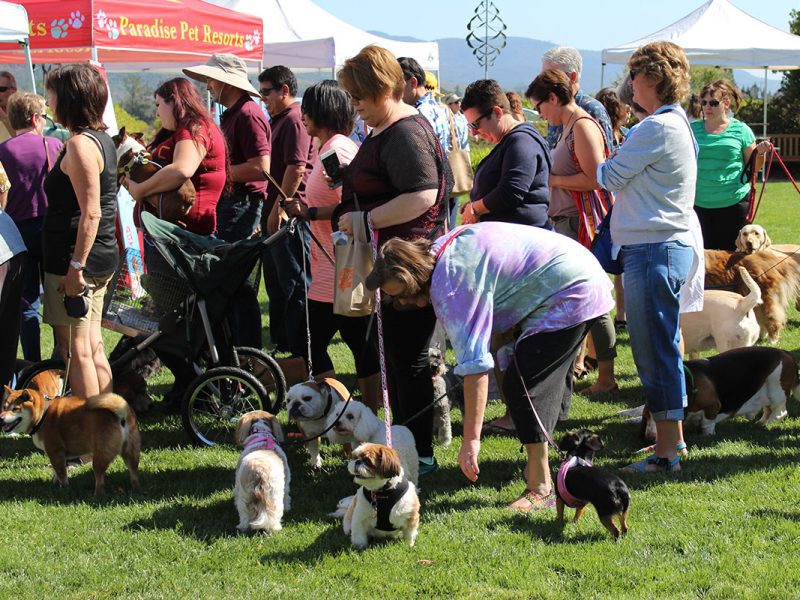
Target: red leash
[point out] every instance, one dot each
(755, 204)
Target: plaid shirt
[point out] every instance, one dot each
(434, 113)
(595, 110)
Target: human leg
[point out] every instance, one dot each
(11, 279)
(361, 338)
(288, 256)
(31, 232)
(604, 338)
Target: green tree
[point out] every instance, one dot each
(702, 75)
(131, 123)
(137, 98)
(784, 108)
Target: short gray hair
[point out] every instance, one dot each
(564, 58)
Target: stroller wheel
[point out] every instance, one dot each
(268, 372)
(216, 399)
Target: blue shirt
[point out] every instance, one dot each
(434, 113)
(462, 130)
(595, 110)
(11, 242)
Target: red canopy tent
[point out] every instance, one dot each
(119, 32)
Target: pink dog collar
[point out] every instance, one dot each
(561, 484)
(261, 440)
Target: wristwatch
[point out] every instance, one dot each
(76, 265)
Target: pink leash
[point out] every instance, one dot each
(387, 413)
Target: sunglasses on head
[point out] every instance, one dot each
(713, 102)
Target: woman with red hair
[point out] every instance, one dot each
(188, 146)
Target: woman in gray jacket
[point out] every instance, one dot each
(653, 175)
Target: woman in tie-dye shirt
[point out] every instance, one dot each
(496, 277)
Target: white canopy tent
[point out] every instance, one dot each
(720, 34)
(14, 30)
(299, 34)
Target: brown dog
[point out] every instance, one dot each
(67, 427)
(778, 278)
(171, 206)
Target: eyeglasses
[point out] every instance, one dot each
(5, 88)
(355, 99)
(265, 92)
(477, 122)
(712, 103)
(633, 74)
(538, 104)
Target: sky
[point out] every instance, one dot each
(587, 24)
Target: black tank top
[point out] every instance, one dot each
(63, 214)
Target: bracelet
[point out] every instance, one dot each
(312, 213)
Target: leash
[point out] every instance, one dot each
(755, 204)
(324, 431)
(432, 404)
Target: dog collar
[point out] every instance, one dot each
(44, 414)
(338, 387)
(261, 440)
(561, 483)
(383, 499)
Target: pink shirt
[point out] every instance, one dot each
(319, 194)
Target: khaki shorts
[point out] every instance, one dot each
(56, 314)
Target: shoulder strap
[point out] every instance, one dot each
(454, 143)
(571, 140)
(99, 144)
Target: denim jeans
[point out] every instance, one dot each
(283, 279)
(31, 232)
(237, 218)
(654, 274)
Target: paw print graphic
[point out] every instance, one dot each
(76, 19)
(113, 30)
(248, 42)
(256, 37)
(101, 19)
(59, 28)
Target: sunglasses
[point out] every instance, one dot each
(477, 122)
(538, 104)
(5, 88)
(633, 74)
(265, 92)
(712, 103)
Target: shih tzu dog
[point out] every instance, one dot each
(358, 423)
(386, 505)
(310, 404)
(261, 493)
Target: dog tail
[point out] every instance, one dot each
(752, 299)
(342, 507)
(111, 402)
(262, 504)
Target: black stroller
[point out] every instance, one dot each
(180, 311)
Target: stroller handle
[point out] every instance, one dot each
(287, 229)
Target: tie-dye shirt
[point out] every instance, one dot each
(496, 276)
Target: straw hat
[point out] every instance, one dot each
(227, 68)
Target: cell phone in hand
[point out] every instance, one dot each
(330, 162)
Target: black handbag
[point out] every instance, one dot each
(601, 247)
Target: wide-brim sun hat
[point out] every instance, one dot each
(452, 98)
(226, 68)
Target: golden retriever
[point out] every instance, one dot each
(753, 237)
(778, 278)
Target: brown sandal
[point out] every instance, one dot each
(534, 501)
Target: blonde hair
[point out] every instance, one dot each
(408, 263)
(372, 73)
(666, 65)
(727, 90)
(22, 106)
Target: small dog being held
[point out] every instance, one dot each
(727, 320)
(310, 404)
(386, 505)
(261, 493)
(103, 426)
(579, 483)
(358, 423)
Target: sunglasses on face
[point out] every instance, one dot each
(5, 88)
(538, 104)
(265, 92)
(712, 103)
(477, 122)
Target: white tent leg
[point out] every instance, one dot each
(602, 74)
(30, 65)
(764, 125)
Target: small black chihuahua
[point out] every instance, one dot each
(578, 483)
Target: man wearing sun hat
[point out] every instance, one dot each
(249, 138)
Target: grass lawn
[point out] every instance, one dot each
(728, 526)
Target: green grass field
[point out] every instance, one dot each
(728, 526)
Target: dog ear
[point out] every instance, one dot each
(121, 133)
(594, 442)
(767, 240)
(388, 464)
(243, 428)
(277, 430)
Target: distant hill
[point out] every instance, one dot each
(520, 61)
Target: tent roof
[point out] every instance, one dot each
(720, 34)
(300, 34)
(13, 23)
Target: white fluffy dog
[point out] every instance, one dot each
(261, 492)
(360, 424)
(310, 404)
(386, 505)
(727, 320)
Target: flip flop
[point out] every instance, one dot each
(535, 502)
(655, 464)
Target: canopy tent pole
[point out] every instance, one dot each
(28, 60)
(764, 124)
(602, 73)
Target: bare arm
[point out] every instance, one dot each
(589, 148)
(3, 200)
(83, 164)
(186, 160)
(252, 170)
(476, 391)
(292, 177)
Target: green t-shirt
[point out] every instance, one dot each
(720, 164)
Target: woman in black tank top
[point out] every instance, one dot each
(80, 251)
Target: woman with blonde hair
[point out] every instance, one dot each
(399, 183)
(653, 175)
(726, 145)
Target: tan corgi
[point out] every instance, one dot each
(68, 427)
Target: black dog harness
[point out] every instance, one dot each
(41, 420)
(383, 500)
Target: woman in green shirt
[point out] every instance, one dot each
(725, 147)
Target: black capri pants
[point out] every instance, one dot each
(546, 360)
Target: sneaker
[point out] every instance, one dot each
(426, 468)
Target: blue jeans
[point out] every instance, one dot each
(237, 218)
(283, 279)
(654, 274)
(31, 232)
